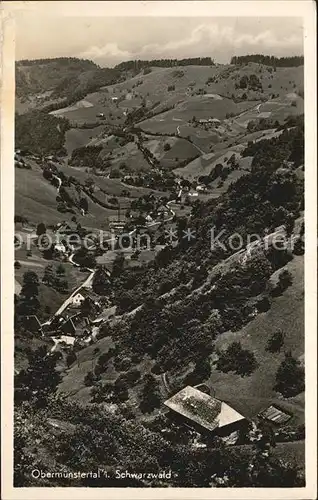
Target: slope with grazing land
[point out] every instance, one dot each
(210, 304)
(58, 81)
(198, 156)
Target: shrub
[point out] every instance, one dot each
(299, 248)
(285, 279)
(275, 342)
(290, 377)
(70, 358)
(236, 359)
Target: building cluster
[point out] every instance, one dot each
(211, 417)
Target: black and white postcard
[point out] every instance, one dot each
(158, 250)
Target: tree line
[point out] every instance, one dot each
(284, 62)
(84, 63)
(138, 64)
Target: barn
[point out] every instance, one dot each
(205, 413)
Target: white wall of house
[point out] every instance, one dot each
(78, 299)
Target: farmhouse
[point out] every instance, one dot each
(78, 299)
(75, 324)
(32, 324)
(66, 228)
(68, 327)
(59, 247)
(163, 211)
(204, 413)
(201, 188)
(83, 294)
(209, 120)
(117, 226)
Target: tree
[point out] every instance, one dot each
(60, 270)
(290, 377)
(118, 265)
(84, 204)
(201, 372)
(84, 258)
(89, 379)
(40, 229)
(299, 248)
(150, 397)
(61, 285)
(30, 287)
(167, 146)
(48, 252)
(37, 382)
(71, 358)
(285, 279)
(87, 307)
(275, 342)
(101, 283)
(234, 358)
(49, 275)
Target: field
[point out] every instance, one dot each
(131, 157)
(86, 110)
(76, 137)
(35, 198)
(176, 96)
(253, 393)
(35, 262)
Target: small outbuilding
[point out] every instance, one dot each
(275, 415)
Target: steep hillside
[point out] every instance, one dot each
(45, 82)
(206, 162)
(213, 107)
(197, 297)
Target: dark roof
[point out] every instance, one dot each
(68, 323)
(33, 320)
(275, 414)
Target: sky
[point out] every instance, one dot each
(111, 40)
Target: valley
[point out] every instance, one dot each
(131, 303)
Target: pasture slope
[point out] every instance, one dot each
(174, 97)
(252, 394)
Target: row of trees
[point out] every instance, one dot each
(137, 65)
(284, 62)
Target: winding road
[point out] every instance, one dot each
(89, 279)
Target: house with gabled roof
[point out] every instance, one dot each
(32, 323)
(204, 413)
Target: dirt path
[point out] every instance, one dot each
(30, 263)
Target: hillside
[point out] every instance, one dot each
(45, 82)
(193, 298)
(206, 162)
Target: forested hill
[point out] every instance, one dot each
(84, 64)
(63, 77)
(270, 196)
(165, 63)
(284, 62)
